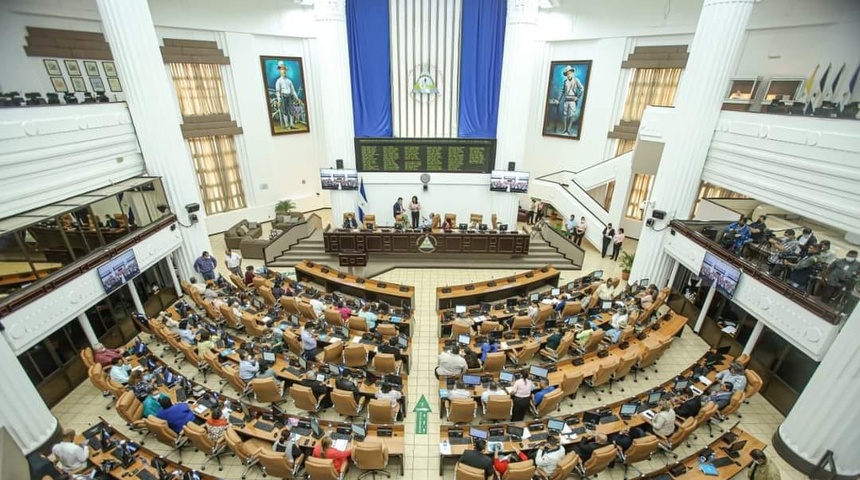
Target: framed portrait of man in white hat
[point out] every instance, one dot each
(286, 96)
(566, 92)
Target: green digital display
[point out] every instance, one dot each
(453, 155)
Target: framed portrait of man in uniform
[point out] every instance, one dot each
(286, 95)
(566, 92)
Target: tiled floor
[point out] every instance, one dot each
(83, 406)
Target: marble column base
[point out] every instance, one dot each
(801, 464)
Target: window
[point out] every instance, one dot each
(650, 86)
(217, 173)
(639, 190)
(707, 190)
(199, 88)
(624, 146)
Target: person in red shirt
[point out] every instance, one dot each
(345, 312)
(324, 450)
(501, 464)
(105, 356)
(249, 275)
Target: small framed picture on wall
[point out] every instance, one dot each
(97, 84)
(78, 84)
(114, 84)
(73, 68)
(59, 84)
(109, 68)
(53, 67)
(92, 68)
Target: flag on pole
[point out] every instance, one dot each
(808, 84)
(851, 84)
(818, 92)
(833, 92)
(130, 216)
(362, 201)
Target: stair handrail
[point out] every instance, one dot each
(563, 245)
(821, 467)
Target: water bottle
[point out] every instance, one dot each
(227, 404)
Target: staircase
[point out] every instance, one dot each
(540, 254)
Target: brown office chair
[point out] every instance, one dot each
(370, 218)
(743, 360)
(558, 352)
(523, 355)
(358, 324)
(678, 437)
(333, 353)
(259, 282)
(380, 411)
(332, 317)
(267, 295)
(489, 326)
(102, 381)
(276, 464)
(323, 468)
(521, 321)
(641, 449)
(216, 366)
(246, 451)
(189, 352)
(571, 308)
(593, 342)
(458, 328)
(563, 469)
(549, 404)
(87, 357)
(476, 218)
(451, 217)
(230, 318)
(436, 222)
(734, 404)
(462, 410)
(387, 330)
(198, 437)
(465, 472)
(603, 374)
(570, 384)
(754, 383)
(499, 408)
(520, 471)
(494, 219)
(237, 383)
(238, 282)
(305, 398)
(130, 409)
(354, 355)
(159, 429)
(384, 363)
(600, 459)
(372, 457)
(706, 413)
(544, 313)
(289, 305)
(647, 357)
(307, 311)
(495, 362)
(624, 365)
(267, 390)
(346, 405)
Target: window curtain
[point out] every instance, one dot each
(368, 39)
(481, 46)
(650, 86)
(639, 191)
(199, 89)
(217, 173)
(707, 190)
(624, 146)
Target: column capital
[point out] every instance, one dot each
(522, 11)
(330, 10)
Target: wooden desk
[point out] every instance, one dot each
(388, 240)
(492, 290)
(726, 472)
(14, 273)
(370, 290)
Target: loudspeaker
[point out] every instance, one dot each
(658, 214)
(512, 166)
(338, 164)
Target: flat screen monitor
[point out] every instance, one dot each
(606, 305)
(555, 292)
(513, 182)
(534, 297)
(478, 433)
(555, 425)
(402, 341)
(118, 270)
(338, 179)
(169, 378)
(629, 409)
(359, 430)
(269, 356)
(503, 227)
(515, 431)
(464, 339)
(458, 309)
(681, 384)
(472, 380)
(506, 377)
(315, 428)
(738, 446)
(511, 303)
(538, 371)
(590, 417)
(644, 282)
(655, 397)
(333, 369)
(597, 274)
(303, 363)
(720, 273)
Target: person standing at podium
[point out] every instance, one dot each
(397, 210)
(415, 209)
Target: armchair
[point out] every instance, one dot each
(244, 229)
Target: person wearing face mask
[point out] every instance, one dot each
(736, 235)
(782, 249)
(761, 469)
(757, 229)
(838, 275)
(806, 240)
(802, 271)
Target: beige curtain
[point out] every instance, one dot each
(650, 86)
(199, 88)
(707, 190)
(217, 173)
(624, 146)
(639, 190)
(607, 199)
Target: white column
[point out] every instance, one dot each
(714, 55)
(675, 266)
(754, 336)
(24, 413)
(171, 261)
(154, 111)
(705, 306)
(825, 416)
(330, 59)
(87, 327)
(135, 297)
(515, 97)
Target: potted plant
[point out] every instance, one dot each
(626, 262)
(284, 206)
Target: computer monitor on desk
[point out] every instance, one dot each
(555, 425)
(511, 303)
(472, 380)
(478, 433)
(506, 377)
(464, 339)
(459, 309)
(606, 305)
(655, 397)
(539, 372)
(597, 274)
(555, 292)
(534, 297)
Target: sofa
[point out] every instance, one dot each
(244, 229)
(283, 221)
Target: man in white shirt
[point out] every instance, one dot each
(368, 316)
(533, 312)
(606, 290)
(119, 371)
(492, 390)
(548, 456)
(451, 364)
(200, 287)
(392, 395)
(70, 455)
(234, 262)
(459, 391)
(318, 306)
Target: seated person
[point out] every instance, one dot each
(689, 407)
(647, 297)
(473, 225)
(447, 226)
(787, 248)
(216, 425)
(152, 403)
(734, 375)
(138, 385)
(349, 221)
(345, 384)
(451, 364)
(427, 222)
(757, 229)
(492, 389)
(533, 312)
(385, 392)
(205, 344)
(806, 240)
(545, 388)
(249, 275)
(119, 371)
(70, 455)
(197, 287)
(248, 366)
(663, 423)
(287, 446)
(476, 458)
(606, 290)
(472, 360)
(459, 391)
(323, 449)
(186, 332)
(554, 340)
(561, 303)
(583, 336)
(344, 311)
(105, 356)
(266, 370)
(176, 415)
(391, 347)
(761, 468)
(368, 316)
(500, 464)
(548, 456)
(589, 444)
(489, 346)
(618, 323)
(723, 396)
(624, 439)
(318, 388)
(736, 234)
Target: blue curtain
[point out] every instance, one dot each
(482, 45)
(370, 66)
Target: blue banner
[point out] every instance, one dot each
(482, 46)
(370, 66)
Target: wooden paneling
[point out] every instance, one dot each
(192, 51)
(664, 56)
(49, 42)
(209, 125)
(382, 242)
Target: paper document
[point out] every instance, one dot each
(696, 390)
(649, 414)
(445, 448)
(340, 444)
(200, 409)
(356, 339)
(705, 380)
(526, 433)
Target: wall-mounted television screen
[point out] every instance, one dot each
(338, 179)
(718, 271)
(118, 270)
(514, 182)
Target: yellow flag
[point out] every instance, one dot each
(809, 84)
